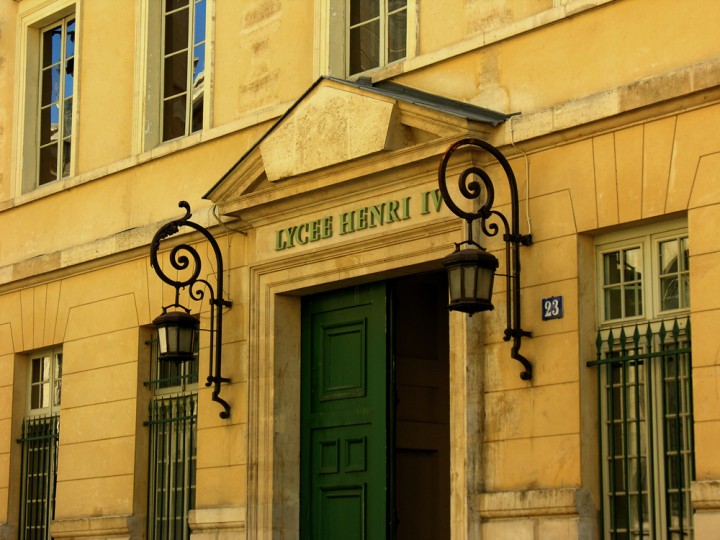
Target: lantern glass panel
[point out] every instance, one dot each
(186, 339)
(470, 272)
(484, 283)
(455, 282)
(172, 338)
(162, 339)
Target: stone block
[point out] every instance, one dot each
(101, 385)
(99, 421)
(96, 459)
(99, 496)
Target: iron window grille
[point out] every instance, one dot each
(172, 421)
(646, 429)
(39, 476)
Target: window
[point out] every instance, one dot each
(644, 362)
(376, 33)
(171, 60)
(45, 125)
(644, 276)
(361, 35)
(39, 439)
(57, 70)
(183, 79)
(173, 446)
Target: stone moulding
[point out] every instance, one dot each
(535, 503)
(705, 495)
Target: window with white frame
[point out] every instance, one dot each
(46, 121)
(57, 86)
(174, 79)
(39, 440)
(362, 35)
(173, 446)
(644, 362)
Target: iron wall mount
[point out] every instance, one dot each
(180, 259)
(472, 189)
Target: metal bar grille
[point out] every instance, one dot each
(173, 439)
(645, 393)
(39, 465)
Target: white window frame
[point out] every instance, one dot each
(148, 95)
(53, 382)
(648, 238)
(27, 100)
(332, 38)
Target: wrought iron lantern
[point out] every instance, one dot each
(471, 269)
(177, 332)
(177, 329)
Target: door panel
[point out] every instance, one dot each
(344, 415)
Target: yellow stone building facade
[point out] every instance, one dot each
(306, 136)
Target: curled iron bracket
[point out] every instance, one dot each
(473, 183)
(184, 257)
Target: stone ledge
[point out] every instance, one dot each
(218, 519)
(705, 495)
(106, 527)
(534, 503)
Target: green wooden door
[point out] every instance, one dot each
(344, 415)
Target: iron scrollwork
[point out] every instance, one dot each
(184, 257)
(473, 189)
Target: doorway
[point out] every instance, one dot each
(375, 412)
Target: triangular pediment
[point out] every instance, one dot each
(336, 123)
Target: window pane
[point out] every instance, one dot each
(66, 158)
(174, 4)
(48, 164)
(364, 47)
(611, 268)
(175, 74)
(197, 111)
(685, 260)
(668, 257)
(70, 39)
(685, 293)
(69, 74)
(632, 264)
(67, 117)
(174, 118)
(633, 301)
(198, 65)
(363, 10)
(50, 91)
(199, 35)
(397, 32)
(52, 40)
(613, 303)
(396, 4)
(49, 124)
(669, 293)
(176, 31)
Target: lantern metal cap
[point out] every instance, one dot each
(175, 318)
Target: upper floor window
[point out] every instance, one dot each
(57, 72)
(172, 61)
(361, 35)
(644, 276)
(183, 69)
(45, 128)
(377, 31)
